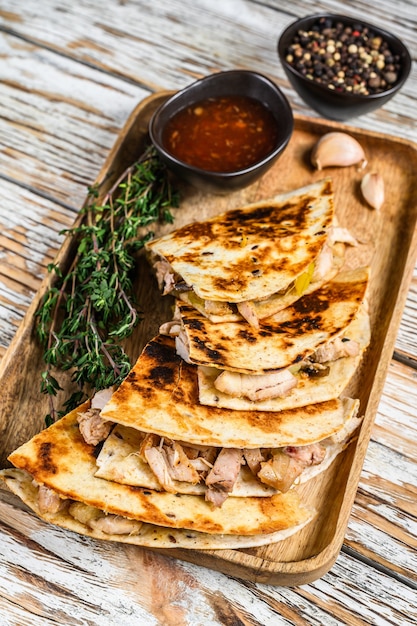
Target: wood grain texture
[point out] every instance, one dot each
(65, 66)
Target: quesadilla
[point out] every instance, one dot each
(236, 402)
(61, 467)
(166, 440)
(320, 377)
(160, 395)
(253, 261)
(92, 521)
(289, 336)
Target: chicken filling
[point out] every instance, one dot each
(279, 383)
(51, 503)
(173, 462)
(274, 383)
(218, 468)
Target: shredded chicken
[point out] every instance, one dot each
(337, 234)
(222, 477)
(100, 398)
(150, 440)
(182, 346)
(311, 454)
(216, 496)
(98, 520)
(276, 384)
(323, 264)
(164, 276)
(93, 427)
(248, 312)
(336, 349)
(172, 328)
(180, 466)
(157, 459)
(172, 461)
(49, 501)
(190, 451)
(201, 465)
(253, 457)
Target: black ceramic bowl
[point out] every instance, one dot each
(228, 83)
(341, 105)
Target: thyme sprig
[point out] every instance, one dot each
(88, 310)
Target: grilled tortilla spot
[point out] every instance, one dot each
(46, 458)
(228, 283)
(195, 324)
(162, 375)
(162, 356)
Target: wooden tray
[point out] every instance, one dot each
(388, 243)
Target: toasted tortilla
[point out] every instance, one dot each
(309, 390)
(160, 395)
(60, 459)
(269, 306)
(119, 461)
(253, 252)
(282, 339)
(149, 535)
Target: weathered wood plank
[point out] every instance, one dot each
(125, 41)
(383, 524)
(58, 119)
(30, 227)
(396, 423)
(407, 337)
(65, 117)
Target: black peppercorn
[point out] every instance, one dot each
(345, 58)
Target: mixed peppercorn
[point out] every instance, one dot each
(344, 58)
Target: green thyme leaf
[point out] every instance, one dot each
(89, 310)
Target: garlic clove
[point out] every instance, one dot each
(372, 188)
(337, 149)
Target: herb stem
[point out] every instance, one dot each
(88, 311)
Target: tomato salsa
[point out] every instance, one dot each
(222, 134)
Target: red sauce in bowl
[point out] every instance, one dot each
(222, 134)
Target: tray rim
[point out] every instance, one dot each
(238, 562)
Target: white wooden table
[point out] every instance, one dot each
(70, 74)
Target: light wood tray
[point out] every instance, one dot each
(387, 242)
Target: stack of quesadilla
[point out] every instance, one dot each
(309, 344)
(239, 399)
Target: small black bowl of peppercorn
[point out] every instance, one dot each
(224, 131)
(341, 66)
